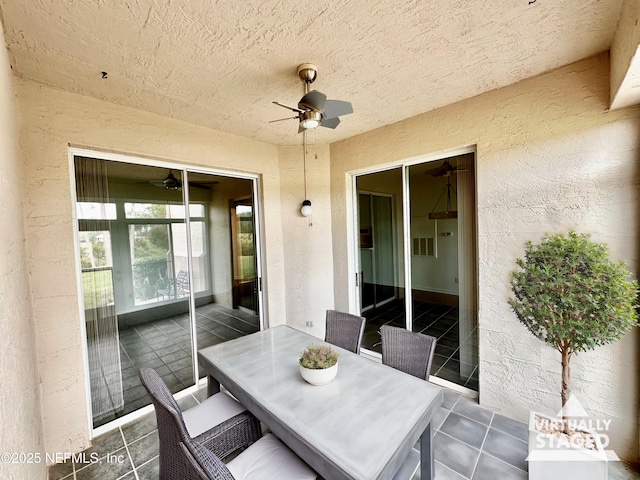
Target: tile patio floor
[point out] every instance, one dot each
(165, 345)
(471, 443)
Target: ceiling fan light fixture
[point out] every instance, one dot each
(171, 182)
(310, 120)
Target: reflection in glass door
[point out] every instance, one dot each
(380, 254)
(156, 282)
(377, 262)
(245, 267)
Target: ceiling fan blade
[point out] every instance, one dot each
(299, 110)
(337, 108)
(330, 122)
(282, 119)
(313, 100)
(155, 183)
(437, 172)
(199, 185)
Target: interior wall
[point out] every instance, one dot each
(550, 158)
(307, 240)
(20, 415)
(50, 120)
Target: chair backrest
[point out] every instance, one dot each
(344, 330)
(171, 428)
(182, 282)
(204, 463)
(407, 351)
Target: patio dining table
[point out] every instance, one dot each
(363, 425)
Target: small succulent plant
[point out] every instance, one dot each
(318, 357)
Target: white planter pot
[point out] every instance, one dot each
(319, 376)
(553, 458)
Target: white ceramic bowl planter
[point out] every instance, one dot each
(318, 364)
(319, 376)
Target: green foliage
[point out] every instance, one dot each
(569, 294)
(318, 357)
(97, 289)
(92, 251)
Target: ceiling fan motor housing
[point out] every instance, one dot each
(308, 72)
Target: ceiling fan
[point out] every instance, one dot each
(445, 169)
(314, 109)
(173, 183)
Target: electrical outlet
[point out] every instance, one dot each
(309, 323)
(455, 279)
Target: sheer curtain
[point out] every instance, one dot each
(467, 274)
(94, 218)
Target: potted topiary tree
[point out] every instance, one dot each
(569, 294)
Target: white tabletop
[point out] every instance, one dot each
(361, 425)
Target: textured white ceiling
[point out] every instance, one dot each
(221, 63)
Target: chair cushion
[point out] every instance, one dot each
(269, 459)
(213, 411)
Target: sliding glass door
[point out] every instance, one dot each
(157, 276)
(429, 209)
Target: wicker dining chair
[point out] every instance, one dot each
(219, 423)
(407, 351)
(267, 459)
(344, 330)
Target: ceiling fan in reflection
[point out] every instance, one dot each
(171, 182)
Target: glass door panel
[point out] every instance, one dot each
(442, 238)
(223, 258)
(135, 306)
(381, 273)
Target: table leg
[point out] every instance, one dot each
(213, 386)
(427, 457)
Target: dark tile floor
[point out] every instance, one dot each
(471, 443)
(454, 360)
(165, 345)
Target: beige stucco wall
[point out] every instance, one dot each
(50, 120)
(20, 421)
(307, 241)
(550, 158)
(625, 61)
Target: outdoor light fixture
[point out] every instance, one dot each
(306, 208)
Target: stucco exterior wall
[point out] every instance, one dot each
(50, 120)
(550, 158)
(307, 241)
(624, 57)
(20, 420)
